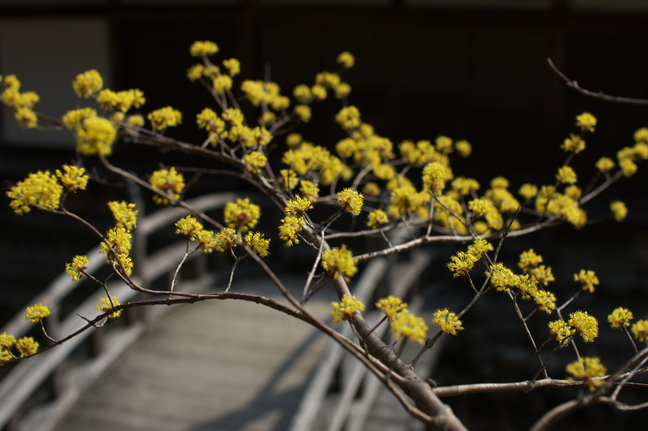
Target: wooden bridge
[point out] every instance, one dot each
(212, 365)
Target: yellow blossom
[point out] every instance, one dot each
(463, 147)
(640, 330)
(36, 313)
(586, 326)
(443, 144)
(164, 117)
(124, 213)
(289, 178)
(351, 200)
(562, 331)
(528, 191)
(339, 261)
(435, 175)
(107, 304)
(242, 214)
(203, 48)
(346, 308)
(27, 346)
(95, 136)
(87, 83)
(318, 91)
(303, 112)
(342, 90)
(604, 164)
(76, 267)
(447, 321)
(74, 119)
(26, 118)
(309, 190)
(290, 228)
(586, 122)
(222, 83)
(195, 72)
(169, 182)
(501, 277)
(620, 317)
(391, 306)
(188, 226)
(348, 117)
(371, 189)
(588, 370)
(257, 242)
(72, 177)
(529, 259)
(588, 279)
(294, 139)
(40, 190)
(255, 162)
(377, 218)
(224, 240)
(346, 59)
(406, 325)
(298, 206)
(619, 210)
(233, 66)
(6, 341)
(574, 144)
(566, 175)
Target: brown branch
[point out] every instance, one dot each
(597, 95)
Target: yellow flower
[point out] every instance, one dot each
(318, 91)
(40, 190)
(346, 308)
(73, 177)
(36, 313)
(167, 181)
(76, 267)
(27, 346)
(406, 325)
(528, 191)
(242, 214)
(588, 279)
(585, 325)
(118, 238)
(543, 274)
(258, 243)
(501, 277)
(620, 317)
(640, 330)
(371, 189)
(566, 175)
(346, 59)
(377, 218)
(222, 83)
(586, 122)
(294, 139)
(588, 370)
(302, 93)
(342, 90)
(95, 135)
(574, 144)
(561, 331)
(255, 162)
(188, 226)
(107, 304)
(529, 259)
(443, 144)
(303, 112)
(233, 66)
(604, 164)
(351, 200)
(447, 321)
(87, 83)
(297, 207)
(435, 175)
(164, 117)
(309, 190)
(464, 148)
(290, 228)
(391, 306)
(124, 213)
(203, 48)
(619, 210)
(26, 118)
(339, 261)
(6, 341)
(348, 117)
(74, 119)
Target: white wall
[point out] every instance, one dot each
(46, 55)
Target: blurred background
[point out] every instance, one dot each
(468, 69)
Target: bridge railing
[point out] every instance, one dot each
(62, 375)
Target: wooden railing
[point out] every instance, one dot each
(64, 377)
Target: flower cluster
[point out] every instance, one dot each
(107, 304)
(169, 182)
(242, 215)
(346, 308)
(447, 321)
(404, 324)
(36, 313)
(339, 261)
(462, 262)
(579, 323)
(588, 370)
